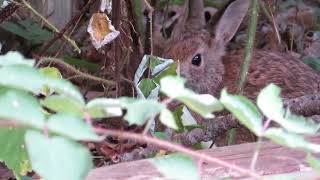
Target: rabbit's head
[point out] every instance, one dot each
(199, 53)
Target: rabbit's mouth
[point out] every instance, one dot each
(198, 87)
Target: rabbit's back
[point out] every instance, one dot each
(291, 74)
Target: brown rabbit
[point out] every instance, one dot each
(208, 68)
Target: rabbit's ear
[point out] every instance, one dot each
(231, 20)
(193, 17)
(195, 14)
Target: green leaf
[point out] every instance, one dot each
(314, 162)
(28, 30)
(169, 71)
(271, 105)
(290, 140)
(313, 63)
(57, 158)
(15, 58)
(83, 64)
(244, 110)
(104, 108)
(177, 167)
(178, 118)
(22, 107)
(30, 79)
(72, 127)
(161, 135)
(146, 86)
(203, 104)
(154, 61)
(64, 87)
(51, 72)
(141, 110)
(22, 77)
(13, 152)
(167, 118)
(61, 103)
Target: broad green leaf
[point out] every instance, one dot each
(61, 103)
(203, 104)
(57, 158)
(146, 86)
(51, 72)
(156, 66)
(13, 152)
(64, 87)
(167, 118)
(83, 64)
(103, 108)
(178, 118)
(28, 30)
(22, 77)
(169, 71)
(290, 140)
(271, 105)
(30, 79)
(154, 61)
(22, 107)
(161, 135)
(141, 110)
(244, 110)
(15, 58)
(177, 167)
(314, 162)
(72, 127)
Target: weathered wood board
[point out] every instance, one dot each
(273, 160)
(59, 12)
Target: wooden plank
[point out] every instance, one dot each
(273, 159)
(58, 12)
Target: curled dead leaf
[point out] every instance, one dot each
(101, 30)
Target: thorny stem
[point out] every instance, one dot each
(174, 147)
(250, 43)
(72, 42)
(44, 60)
(151, 25)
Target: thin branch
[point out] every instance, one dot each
(116, 13)
(45, 60)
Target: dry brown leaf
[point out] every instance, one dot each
(101, 30)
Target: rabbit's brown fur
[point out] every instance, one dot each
(291, 74)
(218, 70)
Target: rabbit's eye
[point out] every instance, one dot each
(196, 60)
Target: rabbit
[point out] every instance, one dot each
(208, 68)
